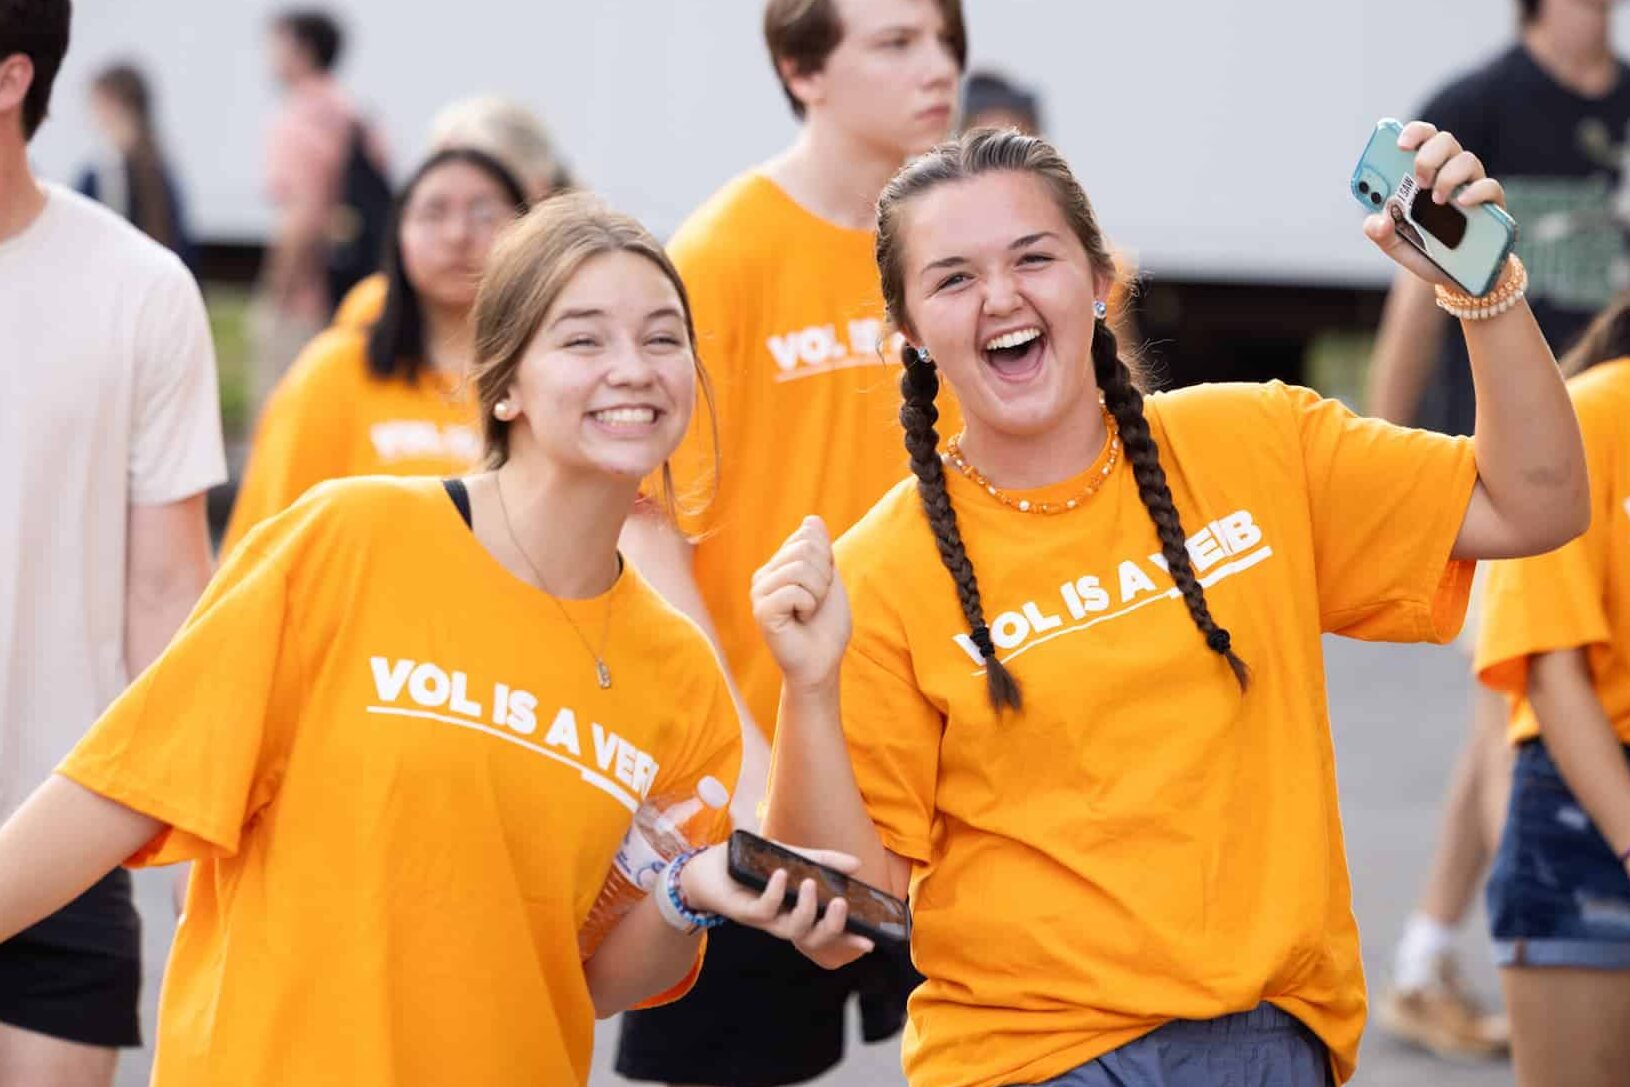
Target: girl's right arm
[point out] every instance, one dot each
(803, 612)
(1581, 740)
(61, 841)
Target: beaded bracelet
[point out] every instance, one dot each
(1512, 287)
(671, 901)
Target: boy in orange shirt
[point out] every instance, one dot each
(1080, 715)
(779, 264)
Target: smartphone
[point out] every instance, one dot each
(1469, 245)
(879, 917)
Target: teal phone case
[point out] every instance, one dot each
(1470, 246)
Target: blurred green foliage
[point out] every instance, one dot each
(229, 325)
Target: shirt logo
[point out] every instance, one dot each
(1225, 547)
(404, 439)
(806, 352)
(609, 762)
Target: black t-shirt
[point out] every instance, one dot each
(1561, 159)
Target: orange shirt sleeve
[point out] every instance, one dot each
(892, 730)
(1386, 504)
(199, 739)
(362, 304)
(1557, 600)
(302, 436)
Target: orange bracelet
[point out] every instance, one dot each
(1511, 288)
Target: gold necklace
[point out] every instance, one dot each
(601, 672)
(953, 451)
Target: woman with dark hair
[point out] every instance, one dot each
(389, 399)
(137, 182)
(1555, 641)
(1082, 719)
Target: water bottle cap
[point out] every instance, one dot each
(713, 792)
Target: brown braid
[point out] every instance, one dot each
(919, 386)
(986, 151)
(1125, 402)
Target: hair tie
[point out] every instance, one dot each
(981, 641)
(1219, 641)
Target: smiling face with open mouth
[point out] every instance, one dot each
(1001, 292)
(608, 382)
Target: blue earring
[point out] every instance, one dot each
(922, 353)
(1100, 309)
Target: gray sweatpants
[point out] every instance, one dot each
(1264, 1047)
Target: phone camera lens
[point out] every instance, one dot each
(1375, 198)
(1364, 187)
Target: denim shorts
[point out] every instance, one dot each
(1264, 1047)
(1558, 895)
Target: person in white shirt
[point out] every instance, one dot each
(109, 436)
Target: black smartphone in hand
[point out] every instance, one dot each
(878, 916)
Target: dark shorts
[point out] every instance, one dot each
(1557, 895)
(77, 974)
(762, 1015)
(1265, 1047)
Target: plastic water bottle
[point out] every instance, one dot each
(663, 828)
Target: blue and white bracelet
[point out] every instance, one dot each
(671, 902)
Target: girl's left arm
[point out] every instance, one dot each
(1532, 492)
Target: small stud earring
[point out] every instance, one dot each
(922, 353)
(503, 411)
(1100, 309)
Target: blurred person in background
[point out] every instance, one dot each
(136, 179)
(1555, 643)
(391, 398)
(500, 127)
(316, 142)
(790, 319)
(110, 434)
(1549, 115)
(990, 100)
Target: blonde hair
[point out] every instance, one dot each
(510, 133)
(531, 265)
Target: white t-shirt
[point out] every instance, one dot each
(107, 400)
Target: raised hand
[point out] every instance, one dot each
(801, 608)
(1442, 166)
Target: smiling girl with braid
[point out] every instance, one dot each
(1081, 717)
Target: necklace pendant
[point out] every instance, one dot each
(603, 673)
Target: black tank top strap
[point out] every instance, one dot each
(460, 494)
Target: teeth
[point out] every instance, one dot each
(1013, 339)
(625, 416)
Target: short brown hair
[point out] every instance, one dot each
(531, 264)
(805, 32)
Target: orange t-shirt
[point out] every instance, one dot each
(330, 417)
(403, 787)
(1577, 596)
(789, 319)
(362, 304)
(1143, 842)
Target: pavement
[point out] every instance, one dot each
(1399, 716)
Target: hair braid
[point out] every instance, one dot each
(1125, 402)
(919, 385)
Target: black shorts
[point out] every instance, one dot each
(762, 1015)
(77, 974)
